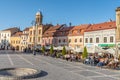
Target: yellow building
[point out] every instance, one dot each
(16, 41)
(76, 36)
(35, 32)
(24, 39)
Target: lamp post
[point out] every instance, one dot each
(35, 38)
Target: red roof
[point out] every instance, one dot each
(78, 30)
(51, 31)
(102, 26)
(64, 31)
(17, 34)
(54, 28)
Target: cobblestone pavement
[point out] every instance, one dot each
(56, 69)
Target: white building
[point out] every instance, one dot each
(102, 35)
(5, 37)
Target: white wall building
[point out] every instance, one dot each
(102, 35)
(5, 37)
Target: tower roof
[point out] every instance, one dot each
(118, 9)
(38, 13)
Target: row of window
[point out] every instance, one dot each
(76, 40)
(55, 41)
(33, 32)
(34, 39)
(105, 40)
(4, 35)
(24, 37)
(18, 42)
(15, 42)
(4, 41)
(24, 43)
(64, 40)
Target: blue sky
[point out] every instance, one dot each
(21, 12)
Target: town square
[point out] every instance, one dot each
(55, 68)
(60, 40)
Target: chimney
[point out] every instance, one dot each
(110, 20)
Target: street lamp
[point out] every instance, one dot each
(35, 37)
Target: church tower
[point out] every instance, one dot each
(39, 18)
(118, 25)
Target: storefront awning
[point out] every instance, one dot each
(106, 45)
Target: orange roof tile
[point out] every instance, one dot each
(51, 31)
(63, 32)
(101, 26)
(78, 30)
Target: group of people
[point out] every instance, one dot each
(107, 60)
(72, 57)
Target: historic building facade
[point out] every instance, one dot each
(16, 41)
(49, 36)
(35, 31)
(5, 36)
(76, 36)
(62, 36)
(102, 35)
(24, 39)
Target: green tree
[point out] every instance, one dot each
(64, 51)
(85, 53)
(51, 49)
(43, 49)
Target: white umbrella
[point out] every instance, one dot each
(55, 48)
(111, 51)
(59, 48)
(47, 47)
(95, 49)
(78, 50)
